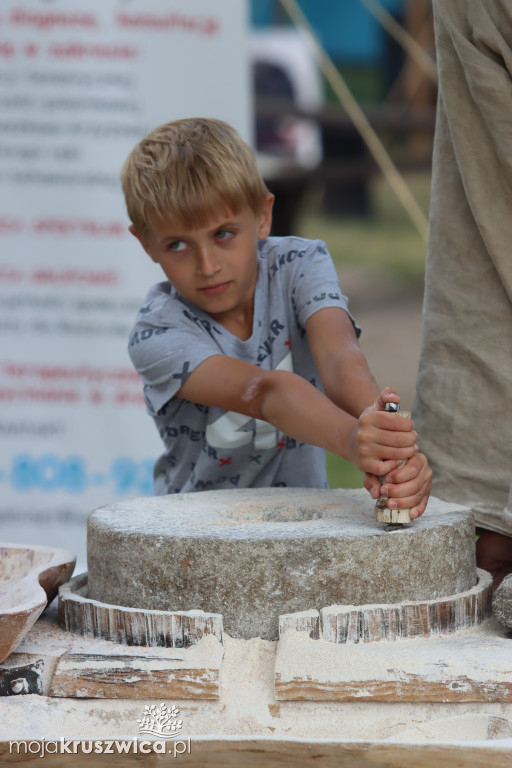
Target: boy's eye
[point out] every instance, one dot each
(177, 245)
(223, 234)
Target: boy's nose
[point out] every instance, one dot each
(206, 263)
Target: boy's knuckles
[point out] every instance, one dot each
(399, 454)
(407, 438)
(397, 439)
(367, 420)
(365, 449)
(406, 491)
(384, 467)
(394, 423)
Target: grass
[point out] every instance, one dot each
(342, 473)
(387, 242)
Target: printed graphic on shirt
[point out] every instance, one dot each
(137, 336)
(209, 327)
(265, 348)
(233, 429)
(287, 257)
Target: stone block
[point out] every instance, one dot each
(502, 602)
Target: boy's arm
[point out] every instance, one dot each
(296, 408)
(348, 382)
(345, 375)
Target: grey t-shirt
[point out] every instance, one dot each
(209, 448)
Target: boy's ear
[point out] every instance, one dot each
(265, 219)
(142, 240)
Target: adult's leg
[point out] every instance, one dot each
(463, 407)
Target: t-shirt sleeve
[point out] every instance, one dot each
(165, 354)
(316, 285)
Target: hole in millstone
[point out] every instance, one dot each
(274, 514)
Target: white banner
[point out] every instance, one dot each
(80, 83)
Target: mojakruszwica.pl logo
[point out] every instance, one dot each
(161, 725)
(160, 722)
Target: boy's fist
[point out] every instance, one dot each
(384, 441)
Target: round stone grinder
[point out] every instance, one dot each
(252, 555)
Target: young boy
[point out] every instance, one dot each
(238, 345)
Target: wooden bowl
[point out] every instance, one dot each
(30, 577)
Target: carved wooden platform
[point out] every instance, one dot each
(132, 626)
(368, 623)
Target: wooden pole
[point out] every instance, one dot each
(359, 119)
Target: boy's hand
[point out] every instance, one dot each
(406, 488)
(384, 441)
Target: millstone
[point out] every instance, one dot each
(253, 555)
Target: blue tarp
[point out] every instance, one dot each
(348, 32)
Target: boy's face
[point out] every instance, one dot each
(215, 267)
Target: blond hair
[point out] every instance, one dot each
(188, 171)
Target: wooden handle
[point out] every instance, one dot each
(383, 514)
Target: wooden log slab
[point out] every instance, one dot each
(305, 621)
(368, 623)
(462, 667)
(137, 673)
(132, 626)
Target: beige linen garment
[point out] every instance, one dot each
(463, 406)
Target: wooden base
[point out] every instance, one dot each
(246, 726)
(465, 667)
(140, 673)
(56, 663)
(262, 752)
(417, 618)
(132, 626)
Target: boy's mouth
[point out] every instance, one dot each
(211, 290)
